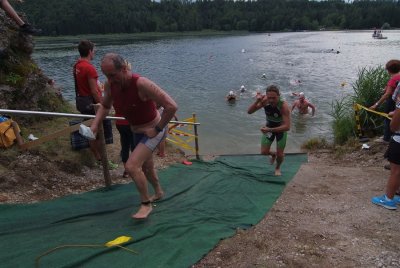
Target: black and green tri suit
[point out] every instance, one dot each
(274, 119)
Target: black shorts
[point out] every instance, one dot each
(393, 152)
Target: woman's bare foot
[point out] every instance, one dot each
(144, 211)
(278, 172)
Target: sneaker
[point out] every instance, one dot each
(382, 201)
(29, 29)
(396, 199)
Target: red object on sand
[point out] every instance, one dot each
(187, 163)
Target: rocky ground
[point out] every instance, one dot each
(34, 176)
(324, 218)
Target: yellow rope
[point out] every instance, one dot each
(114, 243)
(373, 111)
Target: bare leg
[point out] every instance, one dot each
(273, 157)
(95, 148)
(11, 12)
(265, 150)
(125, 174)
(394, 180)
(279, 159)
(151, 174)
(161, 149)
(134, 166)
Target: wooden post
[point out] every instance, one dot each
(196, 139)
(103, 153)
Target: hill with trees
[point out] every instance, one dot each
(72, 17)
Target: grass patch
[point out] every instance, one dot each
(351, 145)
(58, 150)
(315, 144)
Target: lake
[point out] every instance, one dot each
(198, 72)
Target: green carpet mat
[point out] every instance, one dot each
(204, 203)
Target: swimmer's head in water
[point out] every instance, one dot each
(301, 95)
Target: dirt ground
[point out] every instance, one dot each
(35, 176)
(324, 218)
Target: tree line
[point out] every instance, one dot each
(72, 17)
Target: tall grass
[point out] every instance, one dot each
(344, 122)
(368, 88)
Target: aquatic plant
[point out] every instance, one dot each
(368, 88)
(344, 123)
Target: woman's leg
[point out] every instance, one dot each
(11, 12)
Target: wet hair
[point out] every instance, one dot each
(117, 61)
(84, 47)
(273, 88)
(393, 66)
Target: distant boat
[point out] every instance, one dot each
(378, 35)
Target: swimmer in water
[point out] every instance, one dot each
(302, 105)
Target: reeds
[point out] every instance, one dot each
(368, 88)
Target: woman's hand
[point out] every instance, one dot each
(265, 130)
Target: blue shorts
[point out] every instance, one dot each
(150, 143)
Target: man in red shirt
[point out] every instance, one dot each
(136, 98)
(87, 88)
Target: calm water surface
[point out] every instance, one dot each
(199, 71)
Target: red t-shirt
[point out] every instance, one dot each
(128, 104)
(85, 70)
(393, 82)
(121, 122)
